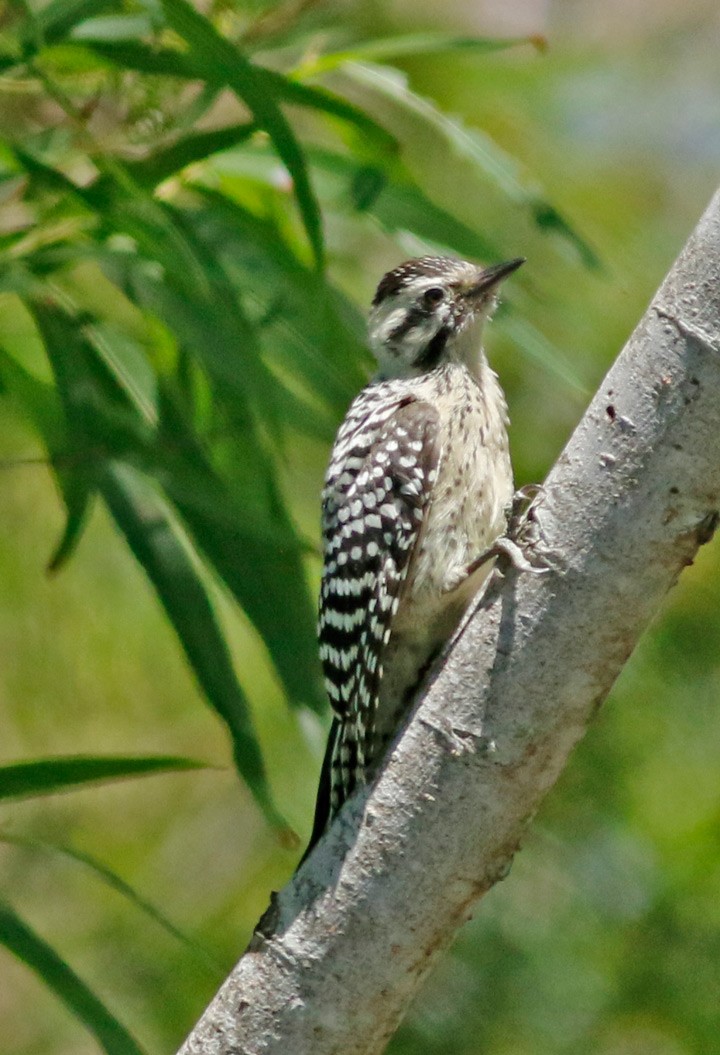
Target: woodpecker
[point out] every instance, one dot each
(419, 485)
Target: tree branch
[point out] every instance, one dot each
(632, 497)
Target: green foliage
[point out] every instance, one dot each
(47, 775)
(58, 976)
(193, 210)
(169, 332)
(117, 883)
(186, 332)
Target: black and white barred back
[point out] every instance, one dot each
(377, 488)
(417, 486)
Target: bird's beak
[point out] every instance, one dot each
(490, 277)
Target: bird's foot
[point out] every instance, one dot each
(519, 546)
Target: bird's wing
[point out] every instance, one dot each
(372, 522)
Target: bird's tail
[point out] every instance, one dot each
(323, 804)
(344, 768)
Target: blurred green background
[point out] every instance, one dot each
(173, 364)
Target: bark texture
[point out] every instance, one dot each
(632, 497)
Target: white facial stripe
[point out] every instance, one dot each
(401, 326)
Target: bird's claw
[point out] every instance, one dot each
(522, 542)
(506, 547)
(518, 547)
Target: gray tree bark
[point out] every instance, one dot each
(630, 500)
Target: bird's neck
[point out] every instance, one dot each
(462, 349)
(467, 348)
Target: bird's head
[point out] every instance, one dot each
(429, 311)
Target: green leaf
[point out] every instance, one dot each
(307, 329)
(548, 217)
(216, 57)
(38, 401)
(270, 585)
(203, 490)
(156, 545)
(256, 551)
(398, 204)
(77, 491)
(408, 44)
(143, 58)
(42, 407)
(537, 347)
(210, 321)
(267, 578)
(476, 147)
(228, 345)
(59, 977)
(45, 177)
(214, 330)
(113, 28)
(263, 567)
(117, 883)
(19, 337)
(46, 776)
(166, 162)
(125, 359)
(52, 24)
(315, 98)
(197, 302)
(137, 56)
(101, 419)
(56, 20)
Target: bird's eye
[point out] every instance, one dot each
(433, 295)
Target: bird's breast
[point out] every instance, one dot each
(473, 488)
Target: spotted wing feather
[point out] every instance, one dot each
(374, 505)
